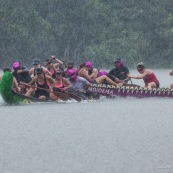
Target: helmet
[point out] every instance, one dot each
(89, 64)
(16, 64)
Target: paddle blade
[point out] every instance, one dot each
(61, 95)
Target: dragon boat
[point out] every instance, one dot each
(129, 91)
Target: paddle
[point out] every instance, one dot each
(131, 85)
(61, 95)
(69, 93)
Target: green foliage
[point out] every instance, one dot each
(79, 30)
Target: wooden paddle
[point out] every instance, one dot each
(131, 85)
(61, 95)
(70, 94)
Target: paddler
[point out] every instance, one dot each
(42, 85)
(147, 75)
(120, 72)
(60, 83)
(52, 67)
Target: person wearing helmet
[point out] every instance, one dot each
(36, 64)
(52, 67)
(120, 72)
(147, 75)
(43, 83)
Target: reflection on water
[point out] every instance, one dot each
(110, 135)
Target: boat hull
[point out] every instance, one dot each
(129, 91)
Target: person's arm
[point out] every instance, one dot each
(171, 73)
(140, 76)
(84, 74)
(86, 84)
(94, 74)
(32, 81)
(16, 84)
(51, 81)
(67, 83)
(59, 61)
(46, 71)
(22, 71)
(31, 71)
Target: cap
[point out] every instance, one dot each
(89, 64)
(16, 64)
(71, 72)
(39, 70)
(140, 65)
(35, 62)
(117, 60)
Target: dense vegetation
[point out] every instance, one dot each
(79, 30)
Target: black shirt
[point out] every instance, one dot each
(120, 73)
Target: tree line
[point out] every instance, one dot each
(81, 30)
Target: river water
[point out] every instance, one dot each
(121, 135)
